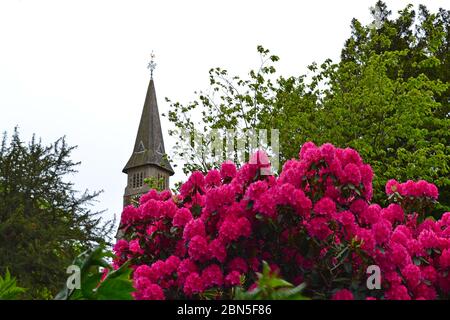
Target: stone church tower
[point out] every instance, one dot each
(148, 158)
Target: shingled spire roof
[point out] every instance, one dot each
(149, 144)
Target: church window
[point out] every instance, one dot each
(141, 179)
(137, 180)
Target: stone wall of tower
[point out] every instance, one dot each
(135, 181)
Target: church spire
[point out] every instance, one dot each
(149, 143)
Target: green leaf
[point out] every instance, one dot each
(8, 287)
(117, 285)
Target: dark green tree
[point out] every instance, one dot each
(44, 222)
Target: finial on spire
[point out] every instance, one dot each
(152, 65)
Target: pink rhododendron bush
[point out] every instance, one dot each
(314, 224)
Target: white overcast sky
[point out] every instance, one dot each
(78, 68)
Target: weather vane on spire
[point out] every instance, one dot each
(152, 65)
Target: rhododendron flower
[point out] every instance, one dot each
(150, 292)
(325, 206)
(343, 294)
(345, 217)
(193, 284)
(197, 179)
(165, 195)
(265, 205)
(129, 215)
(349, 155)
(428, 239)
(318, 227)
(255, 190)
(238, 264)
(371, 215)
(399, 236)
(212, 276)
(444, 260)
(431, 191)
(415, 248)
(429, 273)
(134, 246)
(445, 220)
(120, 247)
(327, 151)
(393, 213)
(198, 248)
(311, 155)
(398, 292)
(366, 238)
(411, 273)
(171, 264)
(158, 269)
(424, 292)
(381, 231)
(392, 186)
(151, 209)
(233, 278)
(150, 229)
(185, 268)
(228, 170)
(217, 250)
(254, 264)
(168, 209)
(352, 174)
(145, 271)
(218, 197)
(195, 227)
(308, 145)
(399, 254)
(213, 178)
(152, 194)
(359, 206)
(182, 217)
(186, 189)
(231, 230)
(366, 174)
(302, 202)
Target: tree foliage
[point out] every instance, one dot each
(388, 97)
(231, 103)
(44, 222)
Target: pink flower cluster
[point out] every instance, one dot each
(314, 224)
(410, 188)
